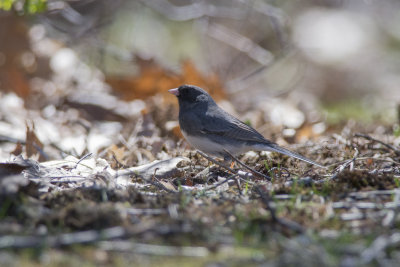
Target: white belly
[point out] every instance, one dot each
(213, 148)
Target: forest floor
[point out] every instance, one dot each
(146, 198)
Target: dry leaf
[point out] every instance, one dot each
(118, 153)
(17, 150)
(12, 73)
(33, 145)
(188, 182)
(154, 79)
(168, 185)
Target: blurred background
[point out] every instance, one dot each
(292, 67)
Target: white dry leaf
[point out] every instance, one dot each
(159, 168)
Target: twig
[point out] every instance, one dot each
(157, 183)
(154, 182)
(225, 167)
(83, 237)
(119, 164)
(364, 158)
(238, 173)
(240, 42)
(356, 216)
(216, 162)
(150, 249)
(8, 139)
(247, 167)
(88, 155)
(68, 179)
(367, 194)
(394, 205)
(232, 177)
(393, 148)
(345, 165)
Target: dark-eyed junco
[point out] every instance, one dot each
(214, 131)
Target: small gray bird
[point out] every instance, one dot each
(212, 130)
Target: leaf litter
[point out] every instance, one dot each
(172, 203)
(113, 173)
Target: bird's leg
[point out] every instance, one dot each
(212, 168)
(216, 162)
(234, 159)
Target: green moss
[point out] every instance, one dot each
(29, 6)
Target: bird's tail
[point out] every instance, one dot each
(275, 148)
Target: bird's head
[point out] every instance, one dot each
(190, 96)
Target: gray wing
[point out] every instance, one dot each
(224, 124)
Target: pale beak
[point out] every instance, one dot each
(174, 91)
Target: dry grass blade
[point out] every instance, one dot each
(342, 167)
(391, 147)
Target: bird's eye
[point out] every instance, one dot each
(201, 98)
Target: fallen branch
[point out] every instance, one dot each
(396, 151)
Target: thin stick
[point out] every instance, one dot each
(393, 148)
(345, 165)
(247, 167)
(223, 165)
(83, 158)
(65, 239)
(221, 183)
(216, 162)
(150, 181)
(363, 158)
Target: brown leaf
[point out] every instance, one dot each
(155, 79)
(189, 182)
(211, 82)
(118, 154)
(168, 185)
(12, 74)
(33, 145)
(94, 111)
(17, 150)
